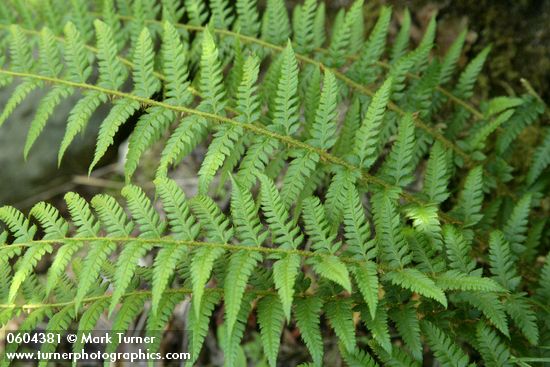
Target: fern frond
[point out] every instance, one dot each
(398, 167)
(271, 320)
(59, 321)
(339, 314)
(240, 268)
(454, 280)
(245, 216)
(389, 236)
(373, 48)
(285, 272)
(285, 234)
(520, 310)
(515, 228)
(407, 322)
(458, 250)
(468, 77)
(540, 159)
(437, 175)
(307, 312)
(471, 197)
(378, 326)
(493, 350)
(366, 140)
(199, 323)
(275, 22)
(357, 358)
(401, 42)
(418, 282)
(501, 261)
(127, 312)
(446, 352)
(323, 129)
(489, 304)
(88, 321)
(227, 136)
(248, 19)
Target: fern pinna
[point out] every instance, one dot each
(363, 184)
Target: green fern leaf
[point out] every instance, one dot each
(372, 50)
(307, 312)
(227, 136)
(213, 221)
(458, 250)
(20, 227)
(248, 19)
(489, 304)
(111, 71)
(446, 352)
(437, 175)
(88, 322)
(54, 226)
(19, 94)
(286, 235)
(198, 324)
(43, 112)
(28, 325)
(78, 119)
(406, 320)
(323, 129)
(520, 310)
(398, 166)
(401, 42)
(304, 28)
(299, 171)
(59, 321)
(515, 229)
(20, 50)
(471, 197)
(450, 61)
(285, 272)
(271, 320)
(501, 261)
(378, 326)
(367, 281)
(81, 215)
(389, 237)
(245, 216)
(211, 83)
(112, 216)
(317, 227)
(190, 131)
(231, 343)
(418, 282)
(339, 314)
(357, 358)
(467, 79)
(454, 280)
(275, 23)
(366, 140)
(240, 268)
(157, 323)
(493, 351)
(284, 107)
(145, 84)
(201, 267)
(127, 312)
(356, 228)
(25, 267)
(539, 162)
